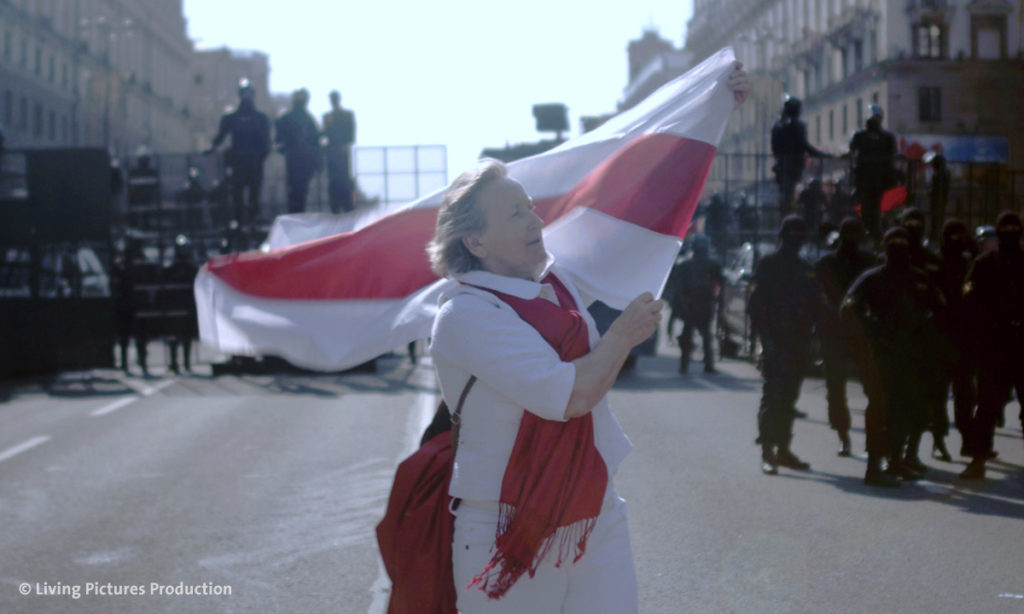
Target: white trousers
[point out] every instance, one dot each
(603, 581)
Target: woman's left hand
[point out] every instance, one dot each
(739, 83)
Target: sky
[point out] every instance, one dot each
(460, 73)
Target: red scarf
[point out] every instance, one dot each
(554, 484)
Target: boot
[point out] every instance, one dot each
(911, 458)
(844, 444)
(786, 458)
(769, 464)
(874, 476)
(939, 449)
(975, 471)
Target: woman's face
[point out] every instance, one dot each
(512, 245)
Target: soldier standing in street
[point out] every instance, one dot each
(994, 300)
(250, 144)
(936, 384)
(893, 314)
(956, 254)
(340, 132)
(836, 272)
(874, 155)
(180, 304)
(696, 283)
(785, 303)
(790, 146)
(298, 139)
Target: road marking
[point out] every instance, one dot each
(23, 447)
(145, 391)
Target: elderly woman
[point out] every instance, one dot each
(539, 527)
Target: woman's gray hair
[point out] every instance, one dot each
(460, 216)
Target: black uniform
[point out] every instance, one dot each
(784, 305)
(894, 314)
(874, 152)
(695, 284)
(250, 143)
(836, 272)
(340, 131)
(994, 300)
(956, 260)
(790, 146)
(179, 305)
(299, 139)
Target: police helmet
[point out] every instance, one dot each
(245, 87)
(875, 110)
(791, 107)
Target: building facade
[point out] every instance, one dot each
(946, 72)
(106, 73)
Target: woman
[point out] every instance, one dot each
(539, 527)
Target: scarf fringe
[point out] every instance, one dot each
(504, 569)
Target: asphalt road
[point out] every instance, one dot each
(261, 493)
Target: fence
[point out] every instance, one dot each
(978, 191)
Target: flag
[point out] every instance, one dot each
(335, 292)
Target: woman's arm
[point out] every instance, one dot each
(597, 370)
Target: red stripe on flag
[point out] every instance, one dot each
(384, 260)
(653, 182)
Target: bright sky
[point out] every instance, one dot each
(461, 73)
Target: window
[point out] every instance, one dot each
(929, 104)
(988, 37)
(23, 114)
(846, 123)
(51, 74)
(51, 125)
(8, 108)
(39, 62)
(858, 55)
(860, 113)
(37, 120)
(817, 129)
(929, 40)
(831, 124)
(8, 45)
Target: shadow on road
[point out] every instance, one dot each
(662, 373)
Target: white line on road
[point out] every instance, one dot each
(23, 447)
(118, 404)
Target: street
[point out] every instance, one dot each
(245, 493)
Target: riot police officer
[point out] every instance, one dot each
(939, 363)
(836, 271)
(790, 146)
(994, 299)
(250, 144)
(298, 139)
(894, 316)
(957, 252)
(785, 303)
(696, 283)
(179, 303)
(874, 154)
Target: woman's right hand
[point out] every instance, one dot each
(639, 320)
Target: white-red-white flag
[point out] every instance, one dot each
(335, 292)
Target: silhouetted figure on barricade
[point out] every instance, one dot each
(836, 271)
(298, 139)
(812, 208)
(894, 317)
(994, 300)
(339, 130)
(695, 285)
(938, 193)
(249, 130)
(956, 254)
(790, 148)
(785, 303)
(874, 156)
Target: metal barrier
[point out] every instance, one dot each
(977, 192)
